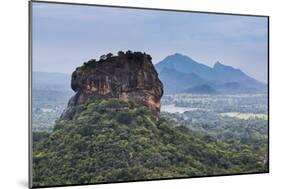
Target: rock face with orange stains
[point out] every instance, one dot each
(128, 76)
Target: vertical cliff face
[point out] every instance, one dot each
(128, 76)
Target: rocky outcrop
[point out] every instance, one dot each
(128, 76)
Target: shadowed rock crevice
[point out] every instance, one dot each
(128, 76)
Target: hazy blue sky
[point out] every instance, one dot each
(64, 36)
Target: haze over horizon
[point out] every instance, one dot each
(65, 36)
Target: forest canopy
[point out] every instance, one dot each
(112, 140)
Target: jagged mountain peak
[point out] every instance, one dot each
(215, 76)
(181, 58)
(219, 66)
(179, 55)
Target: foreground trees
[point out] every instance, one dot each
(112, 140)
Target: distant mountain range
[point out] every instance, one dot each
(50, 81)
(180, 74)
